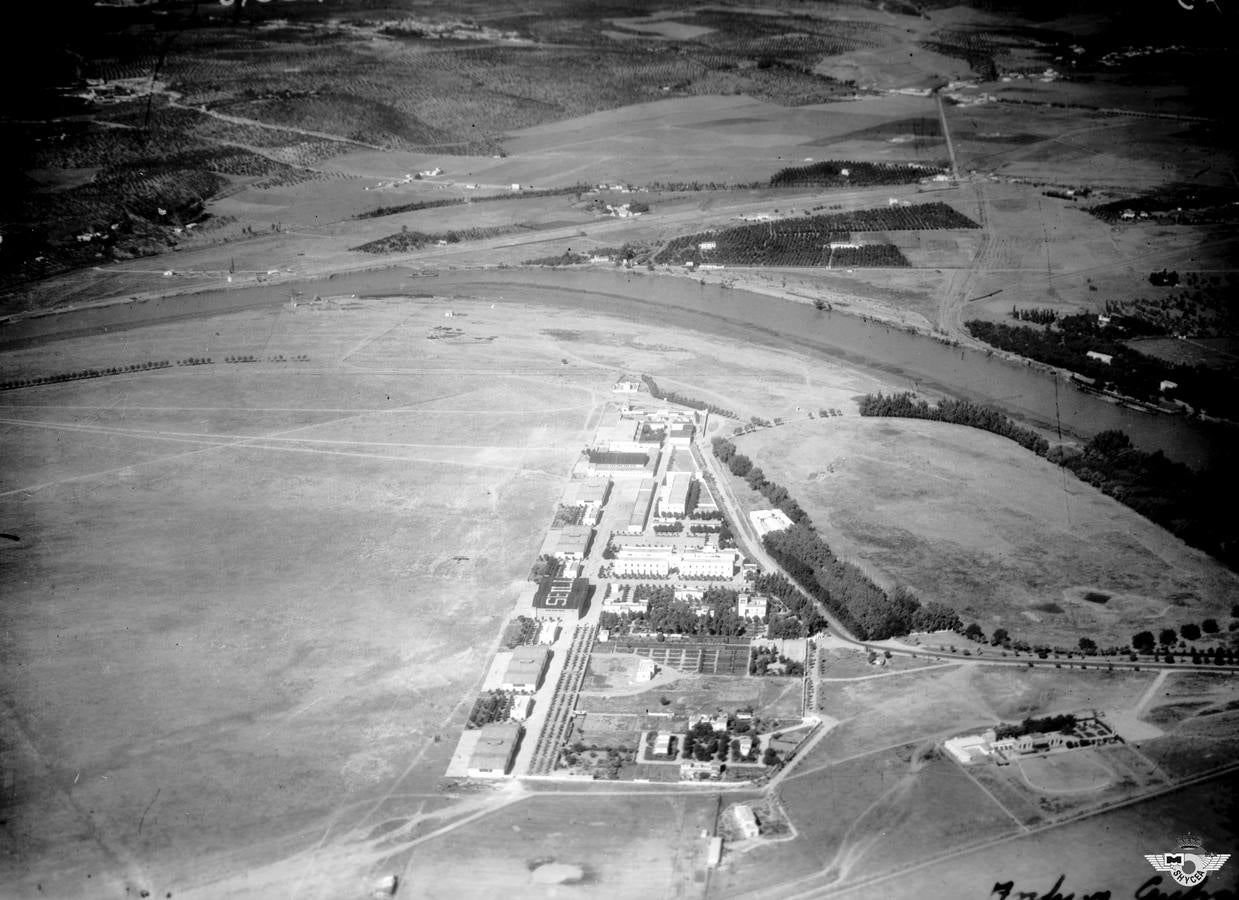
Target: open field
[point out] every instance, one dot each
(662, 855)
(357, 473)
(1022, 541)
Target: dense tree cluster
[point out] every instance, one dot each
(957, 412)
(495, 706)
(805, 241)
(1193, 506)
(703, 743)
(1036, 315)
(830, 173)
(762, 658)
(1045, 725)
(1067, 343)
(859, 604)
(409, 207)
(664, 614)
(567, 258)
(405, 240)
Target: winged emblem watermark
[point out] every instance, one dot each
(1190, 864)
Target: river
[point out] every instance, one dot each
(1028, 394)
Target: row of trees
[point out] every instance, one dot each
(672, 397)
(957, 412)
(741, 466)
(80, 374)
(1169, 637)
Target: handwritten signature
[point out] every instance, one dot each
(1150, 890)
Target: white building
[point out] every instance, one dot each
(1105, 358)
(746, 821)
(968, 748)
(637, 561)
(707, 562)
(659, 561)
(768, 520)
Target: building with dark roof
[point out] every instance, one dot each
(604, 460)
(559, 596)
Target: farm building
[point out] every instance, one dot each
(1104, 358)
(628, 385)
(640, 514)
(714, 853)
(557, 596)
(662, 743)
(746, 821)
(495, 750)
(525, 669)
(768, 520)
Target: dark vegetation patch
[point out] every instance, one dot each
(1096, 597)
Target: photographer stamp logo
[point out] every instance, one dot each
(1190, 864)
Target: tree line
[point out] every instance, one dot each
(672, 397)
(957, 412)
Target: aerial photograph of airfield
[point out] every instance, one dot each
(620, 449)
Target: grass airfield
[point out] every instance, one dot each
(250, 604)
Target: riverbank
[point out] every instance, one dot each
(925, 365)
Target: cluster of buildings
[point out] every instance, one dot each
(1091, 731)
(661, 560)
